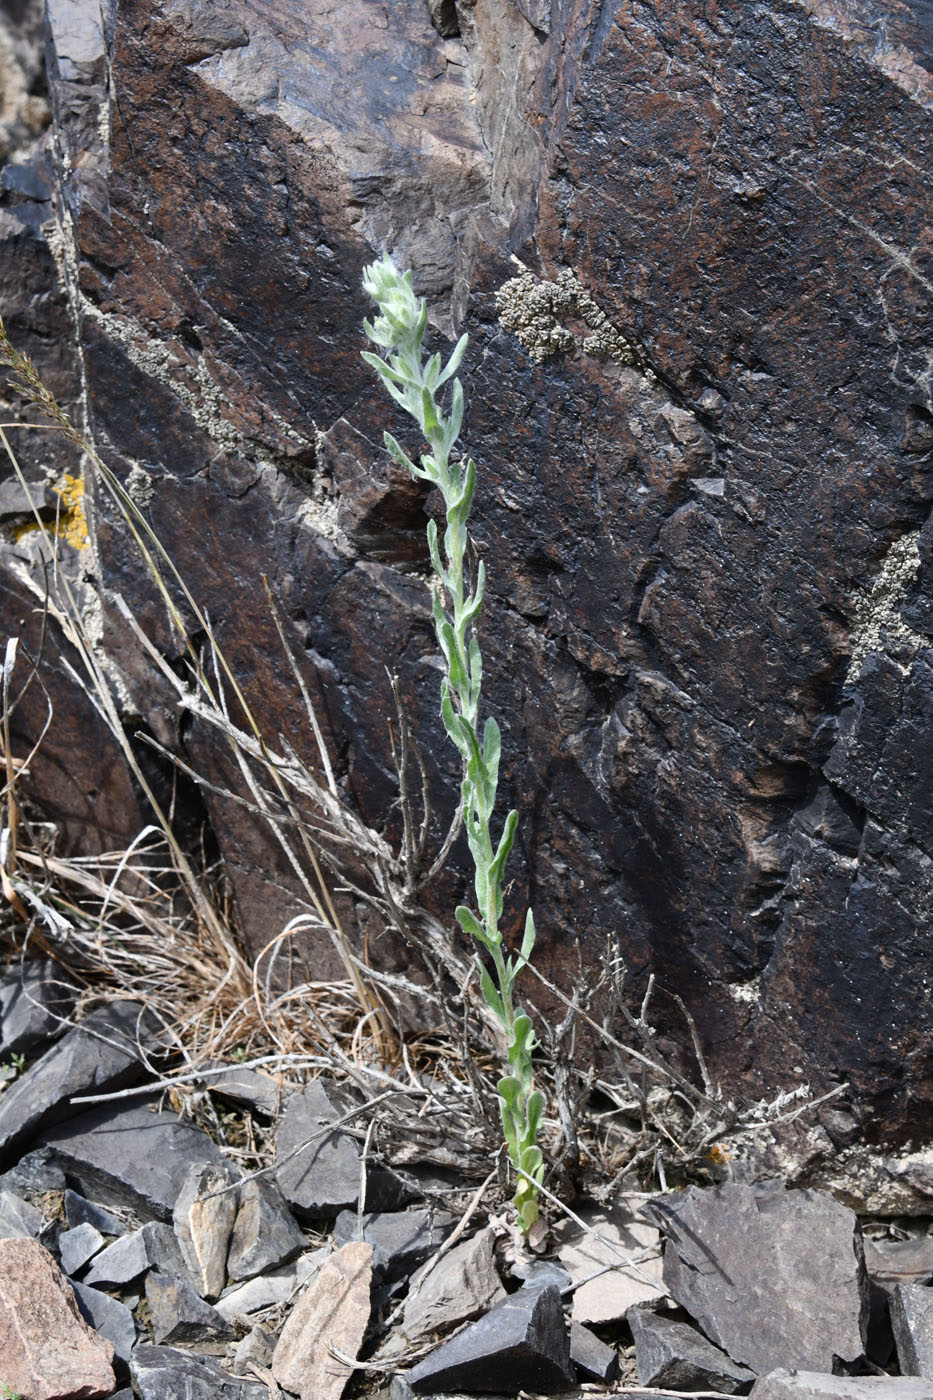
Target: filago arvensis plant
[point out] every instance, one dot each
(415, 383)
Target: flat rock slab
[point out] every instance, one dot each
(402, 1240)
(108, 1316)
(152, 1246)
(912, 1324)
(99, 1055)
(257, 1091)
(900, 1261)
(773, 1277)
(332, 1313)
(135, 1158)
(76, 1247)
(815, 1385)
(47, 1350)
(33, 1000)
(164, 1373)
(672, 1355)
(277, 1286)
(462, 1285)
(613, 1287)
(593, 1360)
(522, 1344)
(318, 1172)
(78, 1211)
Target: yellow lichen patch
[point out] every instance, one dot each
(70, 523)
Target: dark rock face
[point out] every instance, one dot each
(704, 420)
(771, 1276)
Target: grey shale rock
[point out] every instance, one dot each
(34, 998)
(34, 1174)
(256, 1347)
(321, 1178)
(401, 1240)
(265, 1233)
(134, 1158)
(18, 1218)
(608, 1295)
(46, 1347)
(817, 1385)
(203, 1220)
(177, 1314)
(462, 1285)
(912, 1323)
(78, 1211)
(100, 1054)
(331, 1314)
(592, 1358)
(153, 1246)
(274, 1287)
(773, 1277)
(108, 1316)
(522, 1344)
(77, 1246)
(164, 1373)
(672, 1355)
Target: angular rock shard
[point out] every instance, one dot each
(522, 1344)
(611, 1286)
(203, 1219)
(332, 1314)
(672, 1355)
(165, 1373)
(463, 1284)
(153, 1246)
(401, 1239)
(102, 1053)
(912, 1323)
(18, 1218)
(592, 1358)
(47, 1350)
(317, 1171)
(77, 1246)
(275, 1287)
(773, 1277)
(35, 998)
(108, 1316)
(135, 1157)
(177, 1314)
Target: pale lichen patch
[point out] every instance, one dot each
(533, 310)
(877, 619)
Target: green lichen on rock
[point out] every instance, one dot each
(533, 310)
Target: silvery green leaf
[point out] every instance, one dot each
(528, 942)
(456, 355)
(491, 996)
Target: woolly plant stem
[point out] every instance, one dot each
(414, 383)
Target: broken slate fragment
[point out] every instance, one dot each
(18, 1219)
(672, 1355)
(35, 998)
(318, 1172)
(462, 1285)
(900, 1261)
(265, 1233)
(46, 1347)
(401, 1239)
(177, 1314)
(165, 1373)
(203, 1219)
(912, 1322)
(256, 1348)
(134, 1158)
(77, 1246)
(812, 1385)
(593, 1359)
(153, 1246)
(108, 1316)
(522, 1344)
(266, 1290)
(99, 1055)
(258, 1092)
(78, 1211)
(775, 1278)
(331, 1315)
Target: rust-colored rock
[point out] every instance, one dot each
(704, 421)
(47, 1350)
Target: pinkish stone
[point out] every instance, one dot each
(47, 1350)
